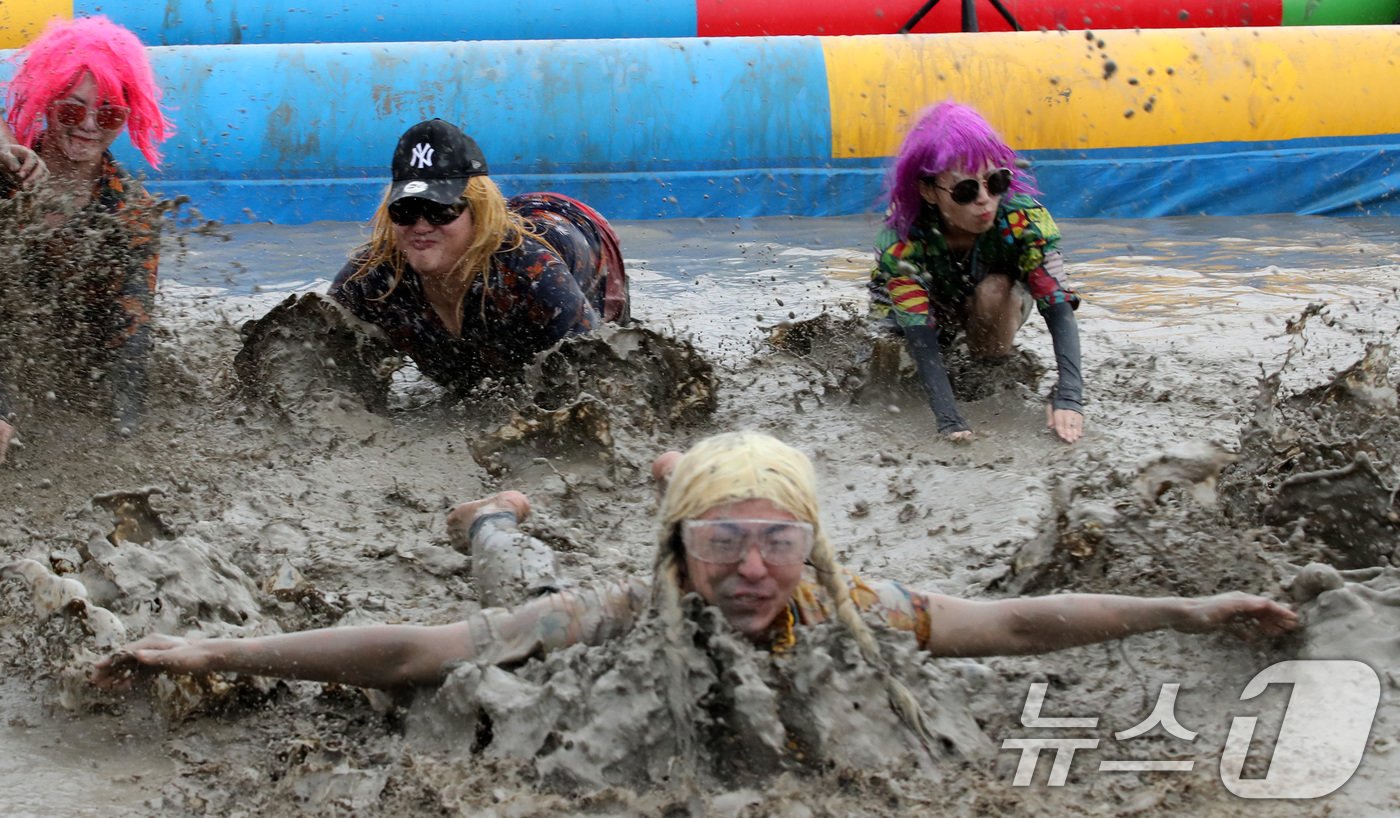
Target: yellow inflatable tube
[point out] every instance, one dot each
(22, 20)
(1119, 89)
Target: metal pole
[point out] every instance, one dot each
(918, 15)
(969, 11)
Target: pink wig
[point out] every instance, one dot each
(947, 136)
(55, 62)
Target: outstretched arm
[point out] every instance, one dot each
(928, 358)
(392, 656)
(896, 290)
(1065, 411)
(380, 656)
(1042, 624)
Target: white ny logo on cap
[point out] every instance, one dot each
(422, 155)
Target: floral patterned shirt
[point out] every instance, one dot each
(921, 282)
(108, 290)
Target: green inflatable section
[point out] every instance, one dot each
(1340, 12)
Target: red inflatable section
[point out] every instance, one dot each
(759, 18)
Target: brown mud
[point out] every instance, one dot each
(289, 478)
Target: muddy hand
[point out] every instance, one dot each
(23, 165)
(1066, 423)
(1245, 615)
(146, 657)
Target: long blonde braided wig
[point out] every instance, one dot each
(736, 466)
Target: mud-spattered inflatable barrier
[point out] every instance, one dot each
(1118, 123)
(224, 22)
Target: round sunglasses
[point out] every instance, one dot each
(72, 114)
(407, 211)
(965, 192)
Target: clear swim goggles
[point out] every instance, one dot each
(726, 542)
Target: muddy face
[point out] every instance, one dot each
(751, 592)
(82, 142)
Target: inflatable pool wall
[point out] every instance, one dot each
(1118, 123)
(230, 22)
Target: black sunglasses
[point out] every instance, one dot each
(965, 192)
(407, 211)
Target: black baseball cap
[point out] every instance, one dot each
(433, 161)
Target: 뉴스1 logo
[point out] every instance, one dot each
(1325, 729)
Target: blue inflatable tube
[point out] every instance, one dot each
(220, 22)
(637, 128)
(804, 126)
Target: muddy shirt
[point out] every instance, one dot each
(561, 282)
(593, 616)
(919, 282)
(104, 305)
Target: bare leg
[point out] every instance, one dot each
(994, 315)
(508, 565)
(462, 515)
(661, 469)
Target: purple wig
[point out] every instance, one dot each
(56, 61)
(948, 136)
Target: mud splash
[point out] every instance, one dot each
(578, 396)
(869, 363)
(261, 525)
(594, 717)
(309, 349)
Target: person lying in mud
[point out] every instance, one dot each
(965, 246)
(91, 234)
(740, 527)
(471, 285)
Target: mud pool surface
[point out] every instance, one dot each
(1236, 435)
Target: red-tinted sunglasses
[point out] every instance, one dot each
(72, 114)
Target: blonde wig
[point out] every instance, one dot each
(736, 466)
(497, 229)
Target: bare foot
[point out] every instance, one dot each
(661, 469)
(462, 515)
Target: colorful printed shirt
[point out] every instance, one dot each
(109, 293)
(920, 281)
(920, 285)
(562, 281)
(595, 615)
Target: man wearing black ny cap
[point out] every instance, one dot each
(467, 283)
